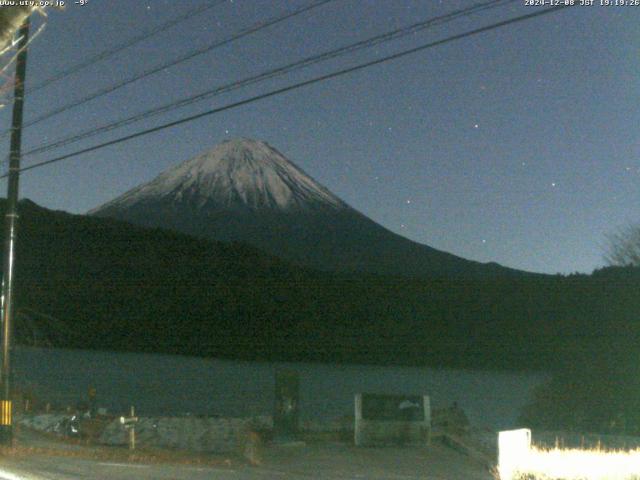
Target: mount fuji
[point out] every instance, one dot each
(244, 190)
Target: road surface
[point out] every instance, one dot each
(330, 461)
(39, 456)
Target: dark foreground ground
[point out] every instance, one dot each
(36, 457)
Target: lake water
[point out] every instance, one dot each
(170, 385)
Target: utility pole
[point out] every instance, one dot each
(11, 220)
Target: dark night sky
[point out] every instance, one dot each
(519, 145)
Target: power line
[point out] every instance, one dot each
(296, 86)
(118, 48)
(303, 63)
(159, 68)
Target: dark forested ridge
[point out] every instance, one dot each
(111, 285)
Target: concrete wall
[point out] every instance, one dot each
(43, 423)
(185, 433)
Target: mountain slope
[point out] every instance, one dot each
(245, 190)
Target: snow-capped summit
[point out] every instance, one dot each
(246, 191)
(237, 174)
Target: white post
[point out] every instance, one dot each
(357, 433)
(426, 403)
(513, 446)
(132, 431)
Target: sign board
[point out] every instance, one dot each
(382, 419)
(393, 407)
(128, 422)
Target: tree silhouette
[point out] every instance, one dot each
(623, 247)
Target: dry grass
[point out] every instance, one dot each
(52, 445)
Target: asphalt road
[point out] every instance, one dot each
(330, 461)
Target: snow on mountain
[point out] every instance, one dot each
(246, 191)
(237, 174)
